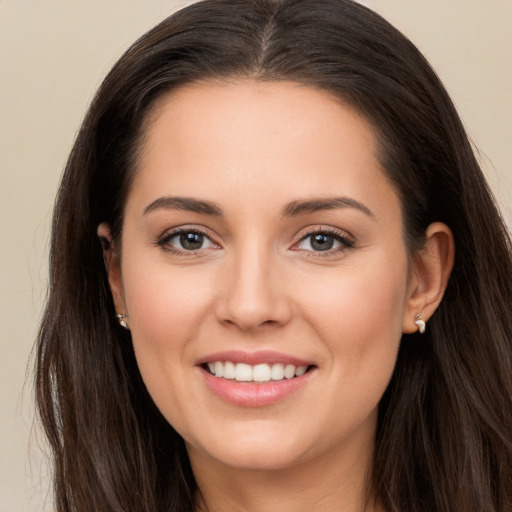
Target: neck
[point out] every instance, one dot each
(329, 483)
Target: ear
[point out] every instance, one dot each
(429, 275)
(112, 261)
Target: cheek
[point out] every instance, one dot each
(166, 310)
(371, 298)
(359, 322)
(166, 313)
(358, 313)
(164, 300)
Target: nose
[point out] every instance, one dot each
(253, 291)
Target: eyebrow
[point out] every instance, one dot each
(314, 205)
(187, 204)
(293, 209)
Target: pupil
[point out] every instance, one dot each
(191, 241)
(322, 242)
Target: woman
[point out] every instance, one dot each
(278, 278)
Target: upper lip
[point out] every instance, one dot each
(253, 358)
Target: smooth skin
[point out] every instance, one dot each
(328, 282)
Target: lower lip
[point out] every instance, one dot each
(254, 394)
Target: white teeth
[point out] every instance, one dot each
(289, 371)
(243, 372)
(264, 372)
(229, 370)
(261, 373)
(219, 369)
(301, 370)
(277, 372)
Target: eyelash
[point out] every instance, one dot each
(338, 236)
(342, 237)
(163, 241)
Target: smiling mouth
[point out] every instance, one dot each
(242, 372)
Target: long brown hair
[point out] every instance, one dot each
(444, 440)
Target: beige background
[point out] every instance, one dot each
(53, 55)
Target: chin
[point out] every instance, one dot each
(251, 453)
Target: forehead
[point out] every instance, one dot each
(256, 111)
(247, 138)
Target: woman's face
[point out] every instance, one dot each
(262, 241)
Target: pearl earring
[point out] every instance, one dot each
(420, 323)
(121, 319)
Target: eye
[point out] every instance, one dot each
(324, 241)
(186, 240)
